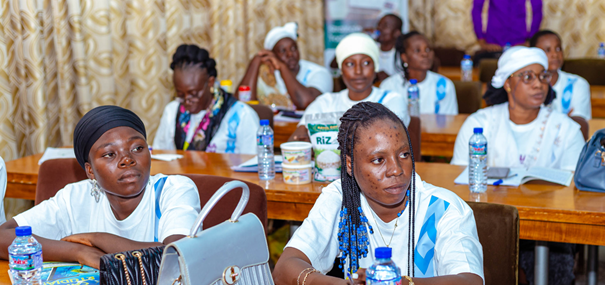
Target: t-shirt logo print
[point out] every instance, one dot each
(231, 275)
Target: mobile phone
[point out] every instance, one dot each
(497, 172)
(291, 114)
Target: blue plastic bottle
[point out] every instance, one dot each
(601, 51)
(506, 47)
(413, 96)
(466, 66)
(264, 151)
(383, 271)
(25, 257)
(477, 162)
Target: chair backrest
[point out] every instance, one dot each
(208, 184)
(415, 130)
(583, 125)
(498, 230)
(591, 69)
(487, 69)
(449, 56)
(54, 174)
(57, 173)
(264, 113)
(469, 95)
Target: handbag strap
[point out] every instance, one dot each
(158, 187)
(226, 188)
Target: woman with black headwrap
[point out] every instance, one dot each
(120, 207)
(204, 117)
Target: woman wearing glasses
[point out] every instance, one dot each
(202, 117)
(520, 131)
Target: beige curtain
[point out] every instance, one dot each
(59, 59)
(448, 23)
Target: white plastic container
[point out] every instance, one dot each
(297, 174)
(296, 153)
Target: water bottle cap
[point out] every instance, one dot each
(264, 122)
(383, 252)
(23, 231)
(478, 130)
(413, 81)
(467, 56)
(602, 44)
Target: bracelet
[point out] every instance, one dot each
(309, 273)
(301, 273)
(410, 281)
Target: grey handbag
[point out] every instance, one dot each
(232, 252)
(590, 170)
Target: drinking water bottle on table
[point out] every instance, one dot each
(413, 96)
(466, 66)
(264, 151)
(477, 162)
(25, 258)
(601, 51)
(383, 271)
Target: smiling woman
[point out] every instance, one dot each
(120, 207)
(357, 57)
(380, 201)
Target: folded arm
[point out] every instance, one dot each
(111, 243)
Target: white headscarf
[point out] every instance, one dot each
(357, 43)
(516, 58)
(289, 30)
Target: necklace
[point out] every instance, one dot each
(396, 221)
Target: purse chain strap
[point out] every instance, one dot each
(138, 255)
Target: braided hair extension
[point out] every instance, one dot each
(534, 39)
(400, 47)
(191, 55)
(353, 226)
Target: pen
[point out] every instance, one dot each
(500, 181)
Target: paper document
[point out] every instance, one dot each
(518, 176)
(166, 156)
(56, 153)
(252, 165)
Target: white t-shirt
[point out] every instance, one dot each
(573, 92)
(340, 102)
(456, 247)
(387, 61)
(273, 90)
(73, 210)
(2, 190)
(552, 140)
(437, 93)
(236, 133)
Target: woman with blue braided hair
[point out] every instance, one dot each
(380, 201)
(204, 117)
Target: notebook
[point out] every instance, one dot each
(252, 165)
(65, 273)
(518, 176)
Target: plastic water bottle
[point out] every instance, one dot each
(601, 52)
(466, 66)
(264, 150)
(477, 162)
(25, 257)
(506, 47)
(383, 271)
(413, 95)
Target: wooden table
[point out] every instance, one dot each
(454, 73)
(597, 101)
(4, 279)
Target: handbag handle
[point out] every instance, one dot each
(243, 201)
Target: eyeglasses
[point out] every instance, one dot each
(192, 97)
(529, 76)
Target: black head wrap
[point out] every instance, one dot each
(98, 121)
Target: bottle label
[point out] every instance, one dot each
(395, 281)
(264, 140)
(478, 149)
(26, 261)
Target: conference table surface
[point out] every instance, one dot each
(547, 211)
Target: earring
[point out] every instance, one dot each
(211, 89)
(95, 191)
(405, 64)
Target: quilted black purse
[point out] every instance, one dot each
(131, 267)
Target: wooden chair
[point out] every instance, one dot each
(415, 130)
(591, 69)
(487, 69)
(449, 56)
(468, 94)
(498, 230)
(264, 113)
(55, 174)
(583, 126)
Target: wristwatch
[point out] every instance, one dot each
(410, 281)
